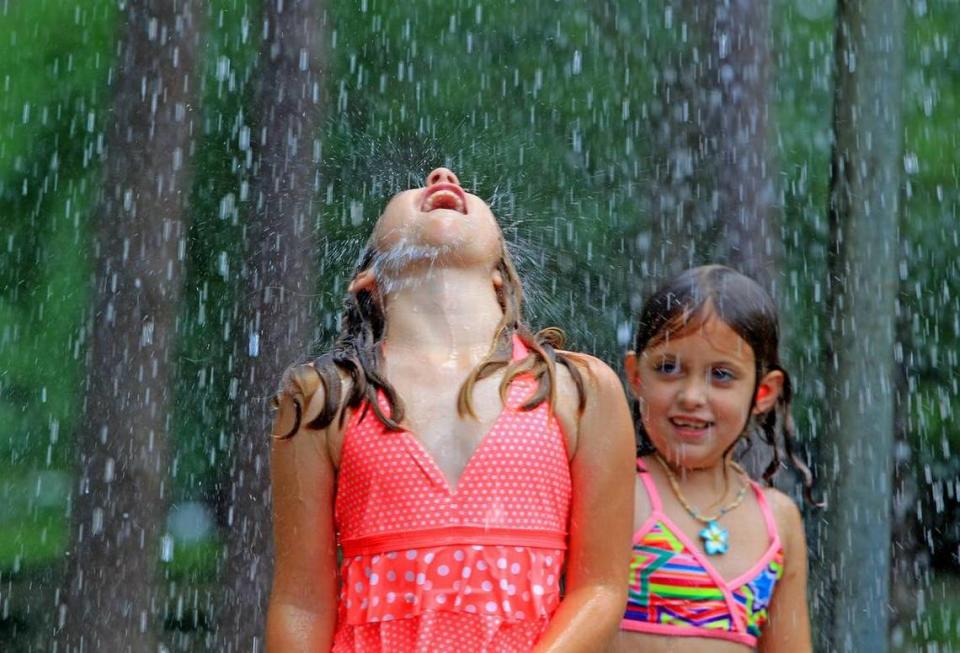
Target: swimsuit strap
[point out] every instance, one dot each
(655, 503)
(520, 350)
(766, 510)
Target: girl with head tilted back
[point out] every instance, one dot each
(453, 463)
(719, 563)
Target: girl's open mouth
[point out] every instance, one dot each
(690, 423)
(690, 427)
(444, 196)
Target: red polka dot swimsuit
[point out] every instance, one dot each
(430, 569)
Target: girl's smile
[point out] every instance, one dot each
(696, 392)
(690, 428)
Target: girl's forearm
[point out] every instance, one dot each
(294, 629)
(586, 620)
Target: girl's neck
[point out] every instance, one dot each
(446, 316)
(711, 480)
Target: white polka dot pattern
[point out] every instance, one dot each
(441, 632)
(518, 477)
(513, 583)
(452, 593)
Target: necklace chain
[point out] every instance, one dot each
(675, 485)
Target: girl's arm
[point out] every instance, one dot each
(602, 469)
(788, 628)
(302, 611)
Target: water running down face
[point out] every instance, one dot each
(435, 226)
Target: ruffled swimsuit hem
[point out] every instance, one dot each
(434, 632)
(514, 584)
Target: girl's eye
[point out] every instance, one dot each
(667, 367)
(723, 375)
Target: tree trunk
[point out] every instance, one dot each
(749, 220)
(681, 188)
(112, 601)
(909, 561)
(278, 284)
(713, 196)
(908, 564)
(863, 213)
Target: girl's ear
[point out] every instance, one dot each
(631, 366)
(365, 280)
(768, 392)
(497, 279)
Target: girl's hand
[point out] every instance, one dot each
(788, 628)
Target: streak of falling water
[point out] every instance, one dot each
(616, 142)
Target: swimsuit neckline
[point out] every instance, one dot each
(657, 514)
(427, 461)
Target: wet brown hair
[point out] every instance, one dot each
(691, 299)
(358, 353)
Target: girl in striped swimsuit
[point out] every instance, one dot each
(440, 469)
(719, 563)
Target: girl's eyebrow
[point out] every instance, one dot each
(662, 355)
(726, 363)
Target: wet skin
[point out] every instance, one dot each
(439, 296)
(697, 392)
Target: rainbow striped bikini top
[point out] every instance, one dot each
(674, 590)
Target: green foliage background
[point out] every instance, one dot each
(544, 107)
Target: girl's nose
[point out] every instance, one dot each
(442, 176)
(693, 393)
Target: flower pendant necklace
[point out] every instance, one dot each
(716, 539)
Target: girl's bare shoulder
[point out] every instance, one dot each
(596, 376)
(300, 400)
(589, 394)
(787, 516)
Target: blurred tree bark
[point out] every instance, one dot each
(713, 196)
(747, 205)
(908, 562)
(681, 186)
(278, 282)
(857, 455)
(112, 601)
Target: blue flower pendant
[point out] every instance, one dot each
(715, 538)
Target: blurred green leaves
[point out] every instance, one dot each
(544, 107)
